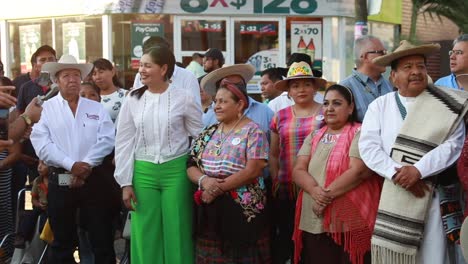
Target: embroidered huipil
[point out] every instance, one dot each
(292, 131)
(154, 128)
(61, 139)
(246, 143)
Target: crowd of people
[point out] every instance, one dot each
(369, 171)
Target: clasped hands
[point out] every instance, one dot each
(409, 177)
(322, 198)
(80, 172)
(212, 189)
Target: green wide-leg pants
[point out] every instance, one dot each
(161, 226)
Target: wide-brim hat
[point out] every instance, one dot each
(406, 49)
(464, 238)
(208, 83)
(67, 62)
(299, 70)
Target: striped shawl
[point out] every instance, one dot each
(399, 227)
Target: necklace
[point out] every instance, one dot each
(221, 140)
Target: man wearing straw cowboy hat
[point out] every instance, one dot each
(74, 135)
(409, 137)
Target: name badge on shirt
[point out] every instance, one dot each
(93, 117)
(236, 141)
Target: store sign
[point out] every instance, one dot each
(140, 33)
(177, 7)
(30, 41)
(217, 7)
(263, 60)
(306, 37)
(264, 29)
(74, 40)
(202, 26)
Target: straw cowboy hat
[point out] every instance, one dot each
(67, 62)
(406, 49)
(464, 238)
(299, 70)
(208, 83)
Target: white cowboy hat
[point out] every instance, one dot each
(67, 62)
(299, 70)
(406, 49)
(208, 83)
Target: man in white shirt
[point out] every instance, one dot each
(409, 137)
(72, 137)
(181, 78)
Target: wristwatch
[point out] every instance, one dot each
(26, 119)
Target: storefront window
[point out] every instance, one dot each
(129, 31)
(304, 35)
(256, 42)
(198, 35)
(25, 38)
(80, 37)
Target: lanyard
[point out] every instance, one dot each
(401, 107)
(367, 88)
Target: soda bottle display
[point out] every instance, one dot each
(301, 46)
(310, 50)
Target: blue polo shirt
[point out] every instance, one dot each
(449, 81)
(365, 90)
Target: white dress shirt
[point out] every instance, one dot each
(154, 128)
(60, 138)
(380, 128)
(181, 79)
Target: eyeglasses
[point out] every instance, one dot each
(380, 52)
(456, 52)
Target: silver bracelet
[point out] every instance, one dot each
(200, 180)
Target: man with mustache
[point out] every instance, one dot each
(409, 137)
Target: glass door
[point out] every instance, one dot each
(197, 34)
(260, 42)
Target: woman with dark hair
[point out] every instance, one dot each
(337, 207)
(289, 127)
(151, 150)
(226, 161)
(112, 95)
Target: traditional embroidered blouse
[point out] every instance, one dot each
(246, 143)
(292, 131)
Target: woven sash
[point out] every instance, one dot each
(399, 227)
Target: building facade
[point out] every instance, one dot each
(261, 32)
